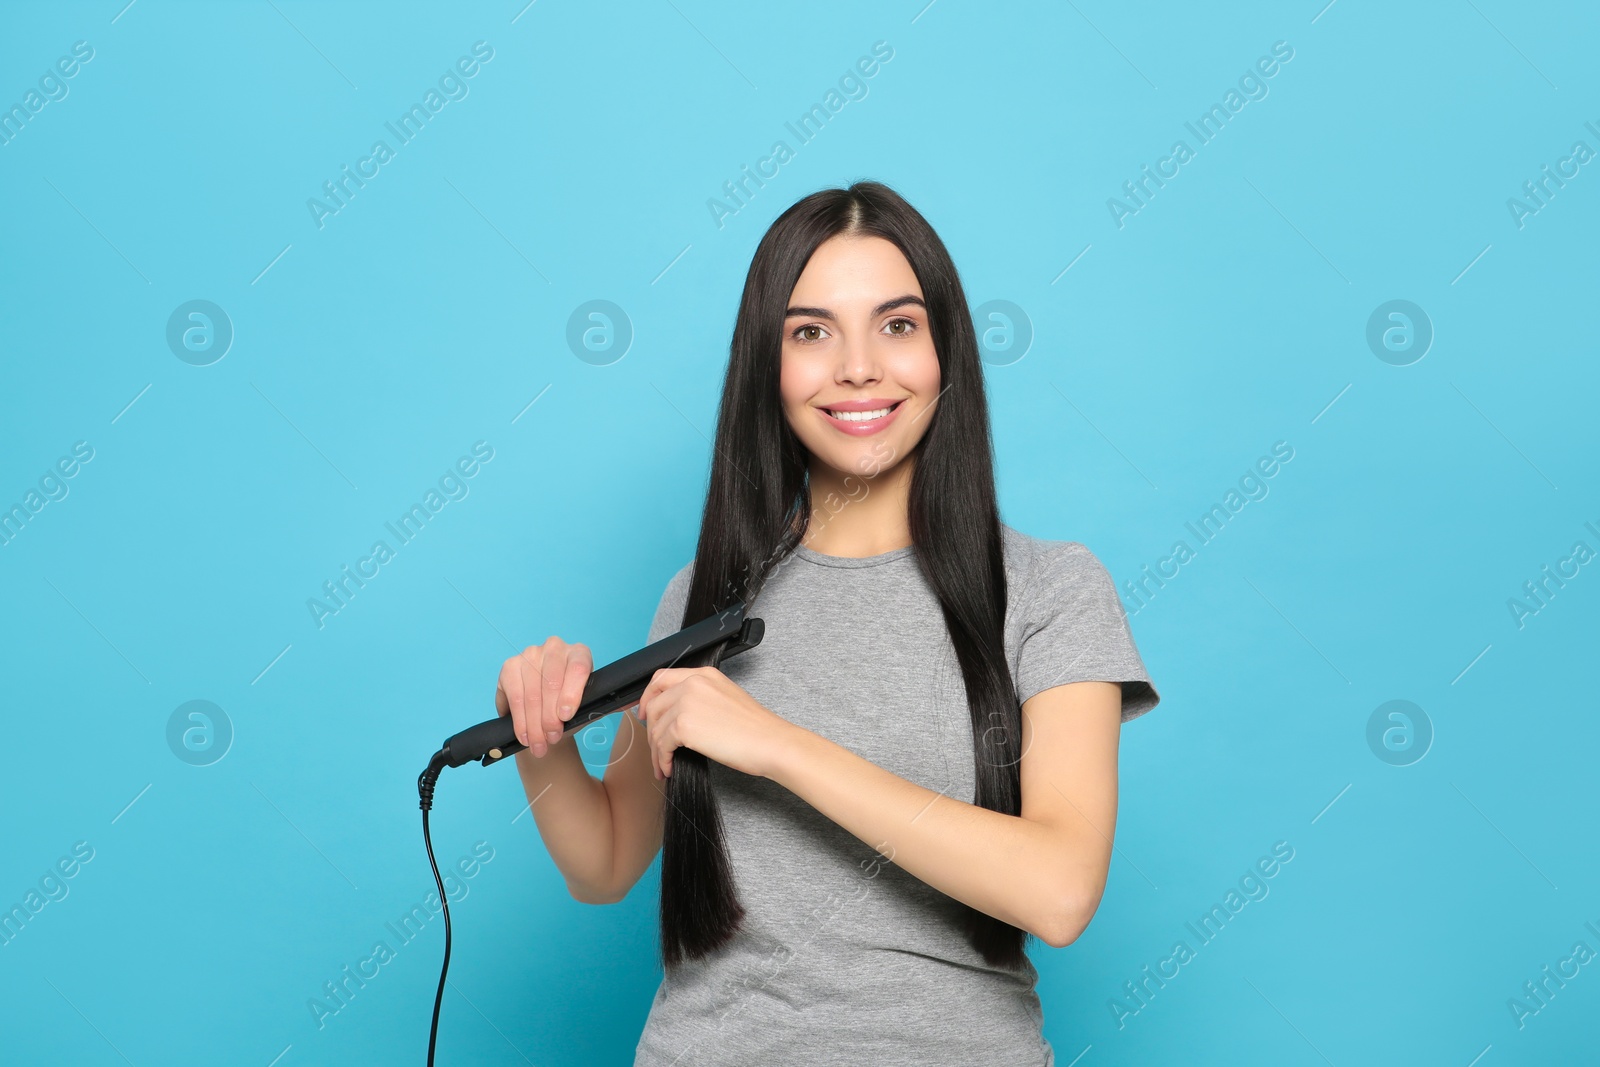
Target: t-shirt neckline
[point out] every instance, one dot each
(814, 556)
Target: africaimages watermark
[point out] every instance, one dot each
(339, 592)
(52, 486)
(338, 992)
(1252, 487)
(452, 85)
(1137, 994)
(1138, 192)
(852, 86)
(1537, 593)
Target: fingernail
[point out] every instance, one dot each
(523, 737)
(566, 711)
(554, 736)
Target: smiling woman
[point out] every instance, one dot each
(937, 698)
(856, 368)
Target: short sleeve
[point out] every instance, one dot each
(1075, 629)
(669, 612)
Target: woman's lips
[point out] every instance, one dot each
(863, 428)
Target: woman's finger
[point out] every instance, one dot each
(660, 680)
(658, 739)
(662, 734)
(653, 733)
(553, 671)
(511, 687)
(580, 663)
(529, 673)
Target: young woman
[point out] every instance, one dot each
(863, 818)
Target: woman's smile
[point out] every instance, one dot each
(861, 418)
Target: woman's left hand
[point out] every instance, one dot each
(703, 709)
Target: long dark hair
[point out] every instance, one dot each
(756, 508)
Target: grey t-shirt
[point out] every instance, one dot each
(843, 958)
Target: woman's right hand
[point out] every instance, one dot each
(541, 688)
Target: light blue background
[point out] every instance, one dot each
(369, 354)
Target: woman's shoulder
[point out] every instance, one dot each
(1031, 559)
(682, 577)
(1072, 624)
(668, 617)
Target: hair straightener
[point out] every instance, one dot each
(610, 688)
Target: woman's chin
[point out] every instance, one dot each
(866, 460)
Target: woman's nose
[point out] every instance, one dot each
(858, 363)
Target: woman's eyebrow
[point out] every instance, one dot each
(887, 305)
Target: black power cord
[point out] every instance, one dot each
(425, 784)
(612, 688)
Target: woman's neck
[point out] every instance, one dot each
(855, 516)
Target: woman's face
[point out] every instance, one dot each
(856, 342)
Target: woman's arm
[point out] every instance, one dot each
(1043, 871)
(602, 833)
(573, 815)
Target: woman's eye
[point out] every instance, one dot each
(812, 333)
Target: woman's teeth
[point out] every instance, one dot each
(860, 416)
